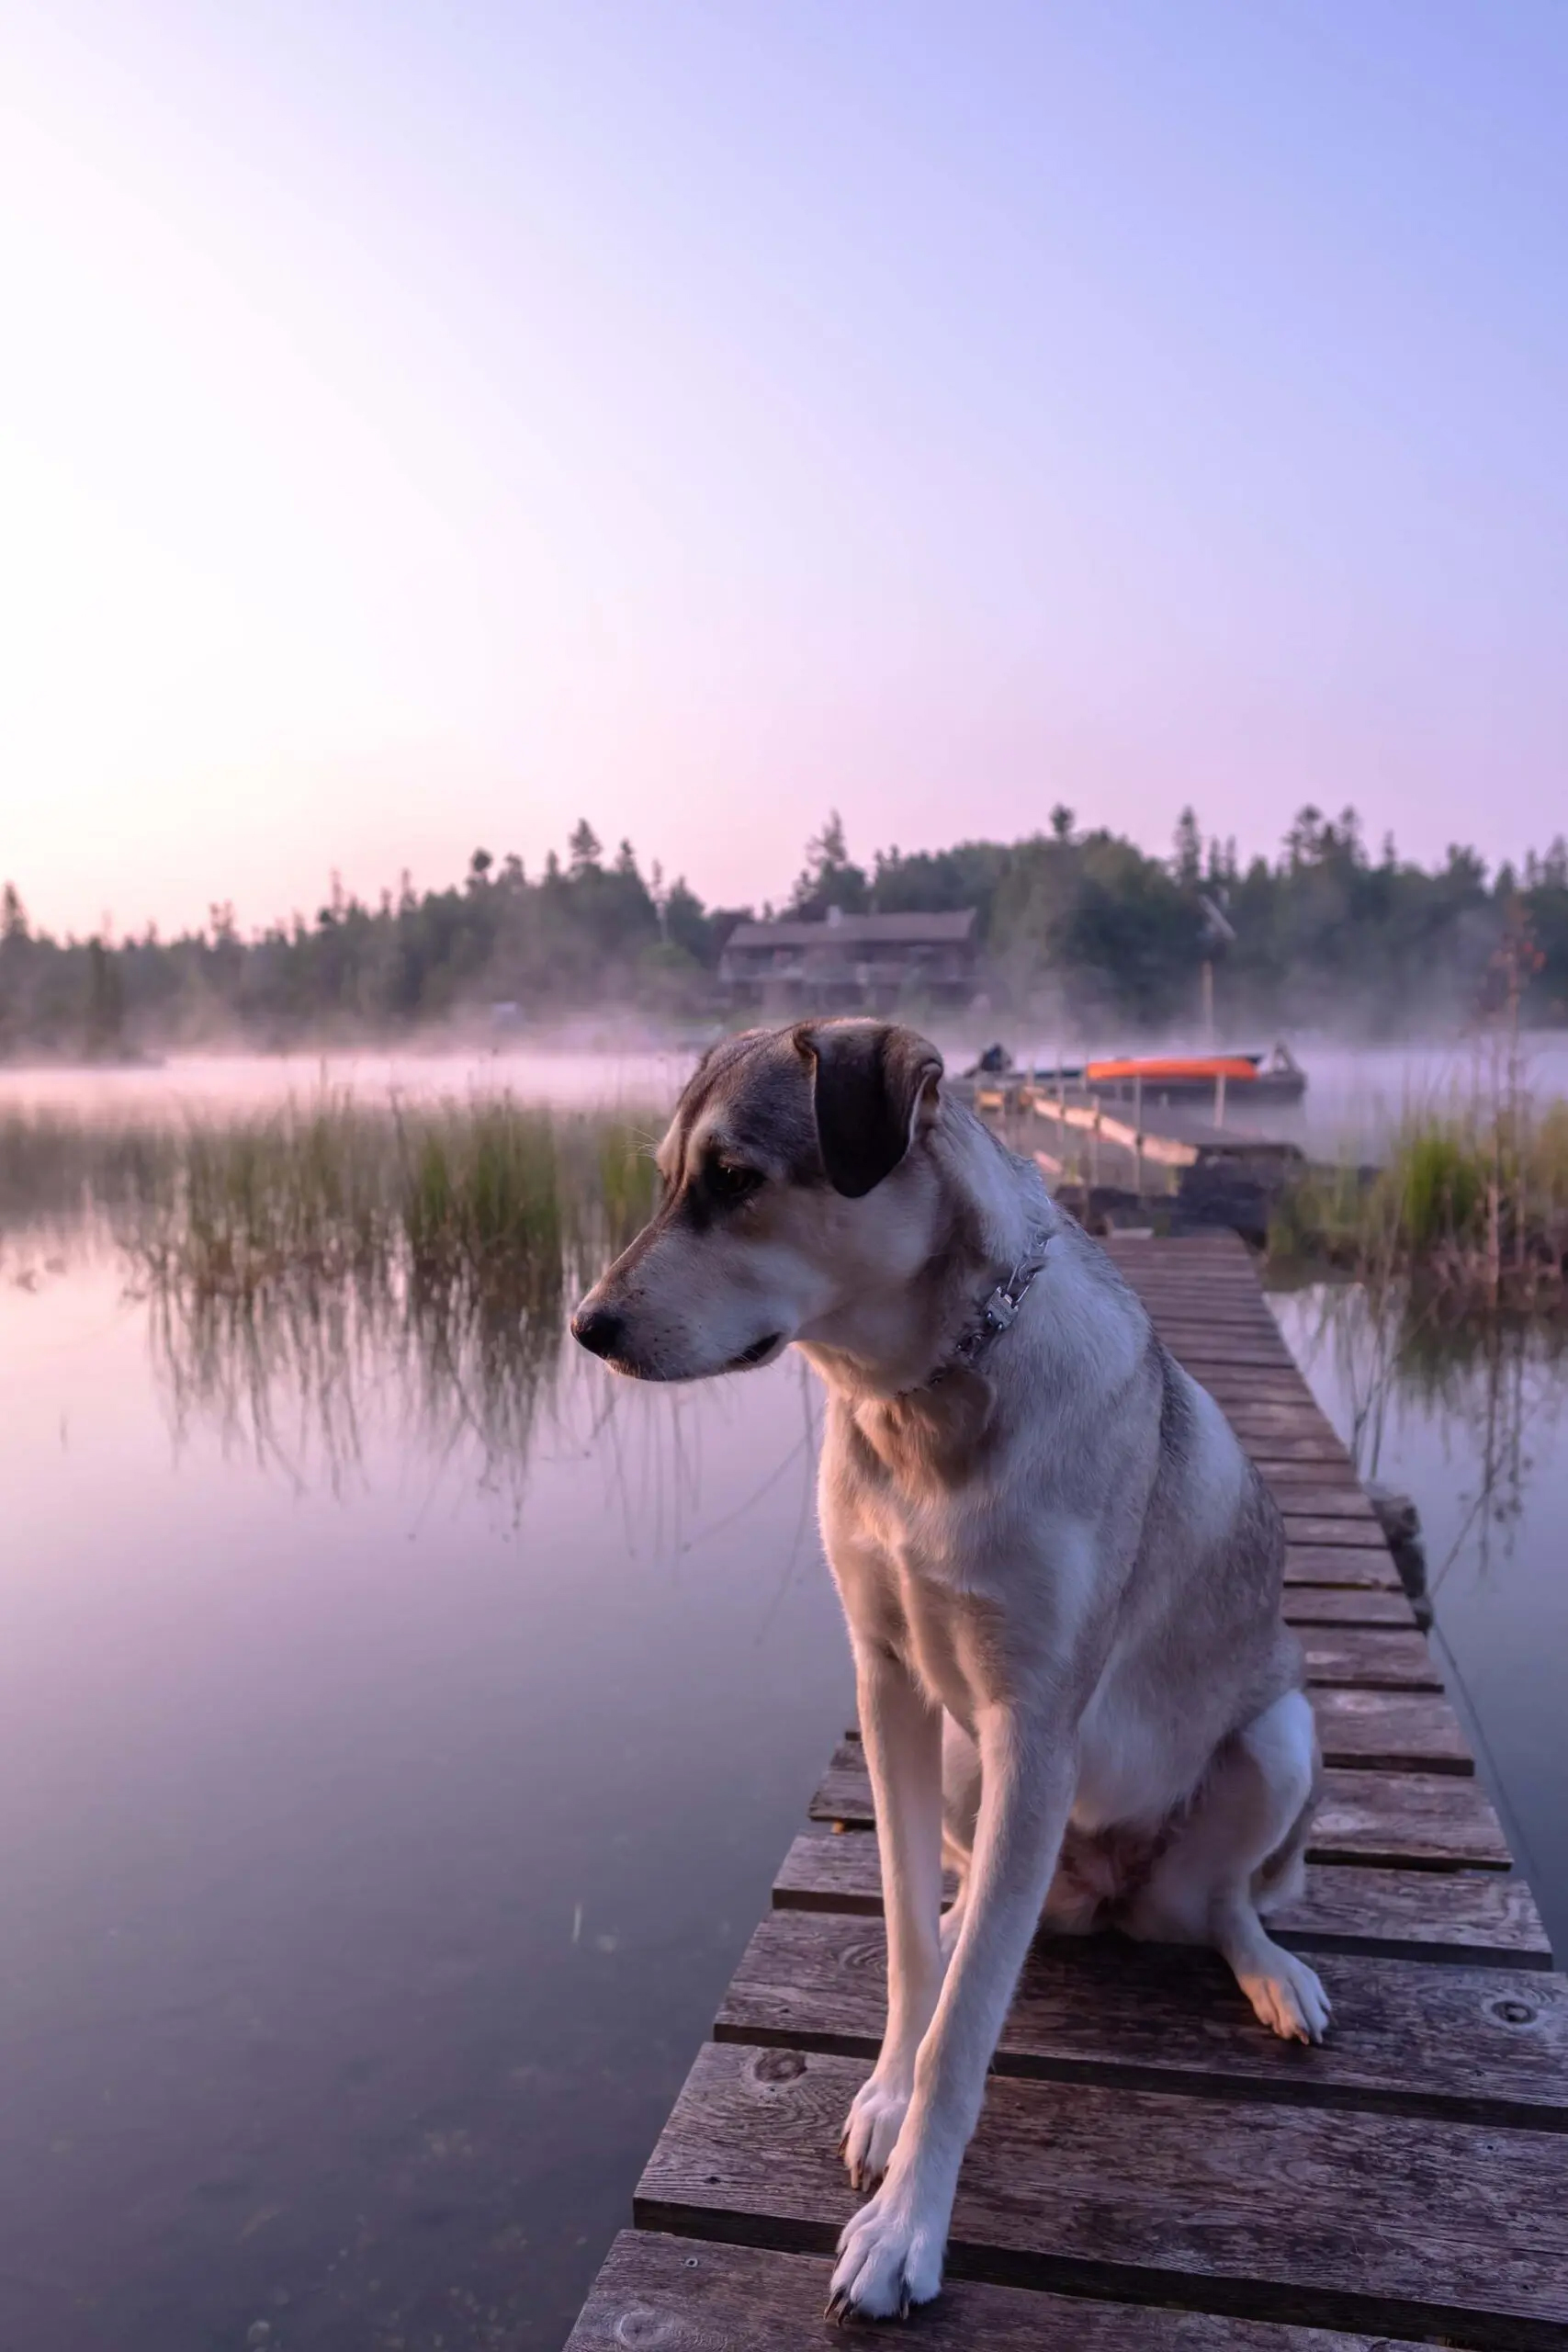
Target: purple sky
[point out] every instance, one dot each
(424, 426)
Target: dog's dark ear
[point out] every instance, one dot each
(873, 1086)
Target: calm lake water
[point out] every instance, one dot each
(383, 1817)
(1476, 1431)
(376, 1835)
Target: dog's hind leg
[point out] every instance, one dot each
(1242, 1839)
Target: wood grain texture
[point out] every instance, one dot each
(1475, 2043)
(1285, 1425)
(1433, 1819)
(1219, 1241)
(1297, 1417)
(692, 2295)
(1213, 1292)
(1367, 1657)
(1422, 1913)
(1381, 1722)
(1232, 1390)
(1390, 1731)
(1303, 1491)
(1382, 1727)
(1312, 1523)
(1193, 1344)
(1358, 1562)
(1396, 1819)
(1346, 1605)
(1288, 1475)
(1205, 1324)
(1224, 1322)
(1297, 1447)
(1158, 1270)
(1348, 2219)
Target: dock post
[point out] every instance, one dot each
(1219, 1099)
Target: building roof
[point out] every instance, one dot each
(859, 931)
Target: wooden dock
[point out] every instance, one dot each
(1151, 2169)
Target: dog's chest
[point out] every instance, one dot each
(909, 1583)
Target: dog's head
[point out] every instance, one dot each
(773, 1216)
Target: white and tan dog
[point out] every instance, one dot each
(1062, 1577)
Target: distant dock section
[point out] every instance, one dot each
(1154, 1132)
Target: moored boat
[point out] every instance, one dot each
(1274, 1077)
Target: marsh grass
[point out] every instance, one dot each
(291, 1259)
(490, 1201)
(1469, 1212)
(59, 1174)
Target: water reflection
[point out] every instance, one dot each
(292, 1377)
(1491, 1390)
(1470, 1422)
(400, 1758)
(328, 1256)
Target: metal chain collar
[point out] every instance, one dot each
(999, 1314)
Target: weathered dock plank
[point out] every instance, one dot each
(1366, 1657)
(1346, 1605)
(1415, 1818)
(1297, 1447)
(1471, 2042)
(1193, 1346)
(1439, 1820)
(1390, 1730)
(1296, 1481)
(1263, 1416)
(1348, 2219)
(1306, 1493)
(1434, 1915)
(1320, 1527)
(685, 2294)
(1361, 1561)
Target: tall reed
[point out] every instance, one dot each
(282, 1251)
(1470, 1206)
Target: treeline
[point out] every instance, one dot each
(1073, 923)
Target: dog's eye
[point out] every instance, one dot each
(730, 1181)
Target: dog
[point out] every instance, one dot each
(1061, 1576)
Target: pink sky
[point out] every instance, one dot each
(419, 431)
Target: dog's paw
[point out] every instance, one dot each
(1288, 1998)
(889, 2259)
(872, 2128)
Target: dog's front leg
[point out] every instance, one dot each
(890, 2254)
(903, 1750)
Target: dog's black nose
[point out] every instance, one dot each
(599, 1330)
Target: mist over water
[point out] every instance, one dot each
(214, 1086)
(1357, 1095)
